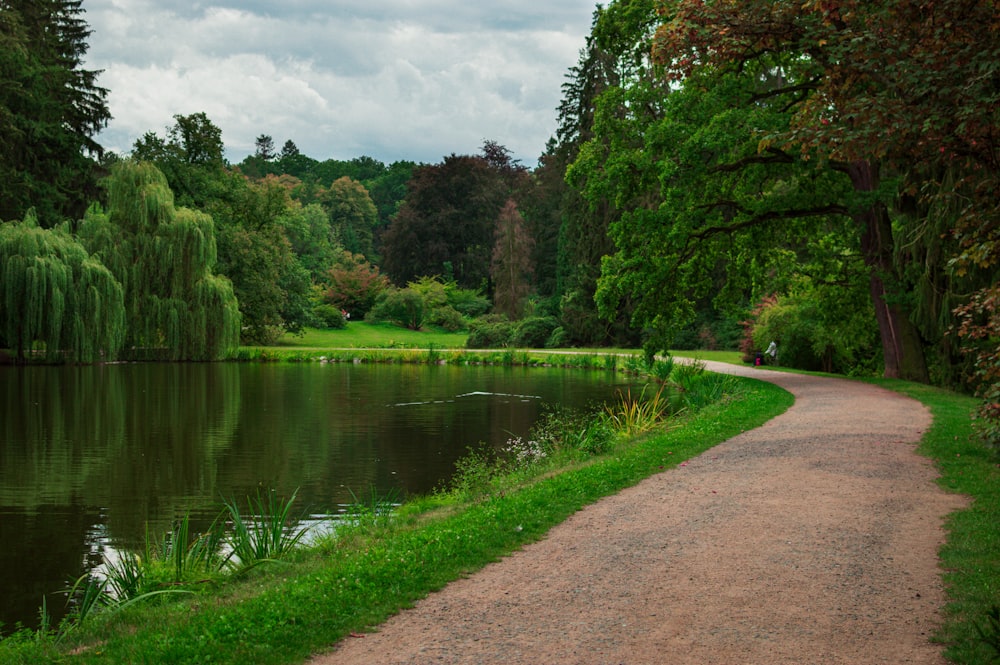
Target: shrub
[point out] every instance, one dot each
(469, 302)
(448, 318)
(354, 284)
(534, 331)
(403, 307)
(816, 328)
(490, 332)
(328, 316)
(979, 330)
(557, 339)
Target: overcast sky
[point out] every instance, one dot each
(390, 79)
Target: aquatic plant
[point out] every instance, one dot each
(636, 415)
(266, 532)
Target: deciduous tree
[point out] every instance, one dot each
(55, 294)
(888, 90)
(176, 308)
(447, 219)
(352, 215)
(271, 284)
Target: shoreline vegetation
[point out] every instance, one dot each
(279, 601)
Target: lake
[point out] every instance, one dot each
(91, 456)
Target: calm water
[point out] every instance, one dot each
(89, 456)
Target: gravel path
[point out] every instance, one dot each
(812, 539)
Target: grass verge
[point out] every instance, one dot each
(361, 334)
(971, 556)
(282, 614)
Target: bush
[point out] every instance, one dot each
(534, 331)
(558, 339)
(468, 302)
(328, 316)
(448, 318)
(816, 328)
(403, 307)
(490, 332)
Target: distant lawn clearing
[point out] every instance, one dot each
(364, 335)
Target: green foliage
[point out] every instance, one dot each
(979, 330)
(374, 510)
(468, 302)
(329, 317)
(56, 296)
(579, 319)
(314, 242)
(51, 108)
(175, 307)
(632, 416)
(353, 215)
(448, 318)
(404, 307)
(569, 431)
(270, 283)
(473, 475)
(492, 331)
(353, 284)
(534, 332)
(190, 158)
(428, 300)
(820, 329)
(267, 532)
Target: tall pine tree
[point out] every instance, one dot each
(50, 110)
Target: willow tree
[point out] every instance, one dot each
(56, 297)
(176, 308)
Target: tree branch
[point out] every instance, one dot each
(773, 156)
(691, 242)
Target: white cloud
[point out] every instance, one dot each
(391, 80)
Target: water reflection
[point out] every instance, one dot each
(89, 456)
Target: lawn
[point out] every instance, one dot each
(364, 335)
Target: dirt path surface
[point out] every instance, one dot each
(812, 539)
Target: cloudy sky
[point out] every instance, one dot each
(390, 79)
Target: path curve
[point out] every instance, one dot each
(811, 539)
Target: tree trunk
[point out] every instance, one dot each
(901, 343)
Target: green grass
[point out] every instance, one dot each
(363, 335)
(731, 357)
(971, 556)
(282, 614)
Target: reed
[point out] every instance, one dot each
(266, 533)
(373, 510)
(631, 416)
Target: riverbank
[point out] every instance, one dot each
(812, 538)
(280, 613)
(289, 612)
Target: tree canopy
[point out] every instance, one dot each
(445, 225)
(54, 294)
(176, 308)
(51, 108)
(760, 130)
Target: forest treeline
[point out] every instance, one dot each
(819, 174)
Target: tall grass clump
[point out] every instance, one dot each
(372, 511)
(631, 416)
(266, 532)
